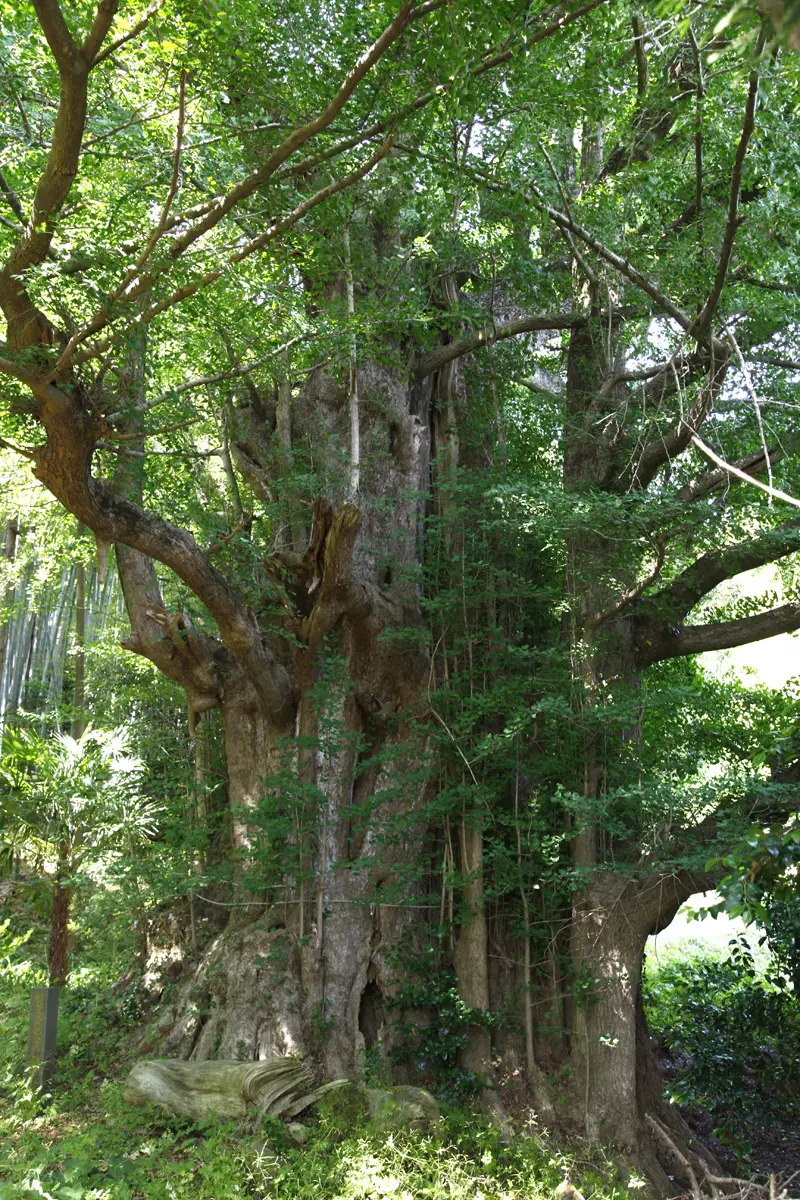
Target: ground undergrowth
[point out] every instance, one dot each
(85, 1143)
(722, 1026)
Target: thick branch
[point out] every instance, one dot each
(64, 466)
(26, 325)
(642, 70)
(93, 350)
(167, 641)
(189, 661)
(106, 11)
(672, 604)
(302, 134)
(493, 58)
(721, 635)
(209, 215)
(59, 38)
(41, 390)
(435, 359)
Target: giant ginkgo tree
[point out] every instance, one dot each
(300, 297)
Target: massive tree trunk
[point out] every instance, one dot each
(323, 801)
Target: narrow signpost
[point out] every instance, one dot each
(42, 1027)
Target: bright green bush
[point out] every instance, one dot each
(734, 1036)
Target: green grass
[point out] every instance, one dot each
(87, 1144)
(110, 1154)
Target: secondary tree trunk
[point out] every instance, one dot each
(57, 952)
(619, 898)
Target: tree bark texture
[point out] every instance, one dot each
(58, 947)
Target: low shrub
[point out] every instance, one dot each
(734, 1038)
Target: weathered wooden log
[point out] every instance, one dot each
(277, 1087)
(223, 1089)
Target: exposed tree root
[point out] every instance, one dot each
(719, 1187)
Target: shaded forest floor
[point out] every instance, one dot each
(87, 1144)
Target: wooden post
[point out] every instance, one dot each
(42, 1027)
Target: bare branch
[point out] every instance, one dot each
(776, 493)
(770, 360)
(734, 220)
(711, 481)
(662, 1134)
(12, 198)
(623, 266)
(17, 449)
(568, 238)
(206, 380)
(126, 37)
